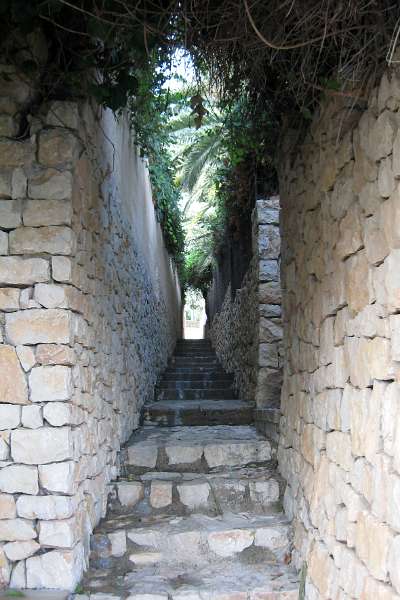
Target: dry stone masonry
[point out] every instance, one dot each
(247, 331)
(340, 430)
(87, 321)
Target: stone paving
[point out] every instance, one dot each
(196, 513)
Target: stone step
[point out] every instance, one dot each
(207, 370)
(171, 413)
(189, 384)
(195, 393)
(192, 540)
(174, 375)
(221, 580)
(254, 489)
(193, 361)
(195, 449)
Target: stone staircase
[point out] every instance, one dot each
(196, 514)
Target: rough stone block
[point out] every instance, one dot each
(10, 214)
(7, 507)
(19, 479)
(373, 540)
(16, 530)
(9, 299)
(45, 508)
(32, 417)
(229, 543)
(270, 293)
(50, 383)
(10, 416)
(118, 543)
(57, 413)
(143, 456)
(39, 326)
(55, 354)
(18, 184)
(160, 494)
(32, 240)
(338, 449)
(58, 534)
(59, 477)
(20, 550)
(357, 278)
(50, 185)
(63, 114)
(194, 494)
(269, 242)
(58, 569)
(40, 213)
(15, 154)
(180, 454)
(62, 269)
(130, 493)
(13, 388)
(268, 355)
(23, 271)
(41, 446)
(57, 148)
(3, 243)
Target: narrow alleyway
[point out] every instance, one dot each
(197, 515)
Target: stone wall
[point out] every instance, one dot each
(340, 430)
(89, 313)
(246, 333)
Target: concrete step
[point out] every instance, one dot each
(195, 393)
(253, 489)
(221, 580)
(171, 413)
(192, 540)
(195, 449)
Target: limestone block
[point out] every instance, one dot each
(362, 479)
(326, 341)
(375, 589)
(3, 243)
(16, 530)
(392, 281)
(390, 219)
(18, 184)
(57, 413)
(313, 440)
(130, 493)
(5, 568)
(373, 542)
(118, 543)
(381, 136)
(343, 195)
(41, 446)
(229, 543)
(9, 299)
(18, 576)
(394, 561)
(15, 154)
(341, 319)
(10, 416)
(20, 550)
(50, 295)
(39, 326)
(10, 213)
(194, 494)
(55, 354)
(269, 242)
(59, 477)
(271, 537)
(26, 357)
(269, 330)
(40, 213)
(5, 184)
(62, 269)
(50, 383)
(160, 494)
(13, 388)
(32, 417)
(63, 114)
(264, 492)
(7, 507)
(23, 271)
(268, 355)
(365, 410)
(243, 453)
(142, 456)
(394, 321)
(8, 126)
(58, 569)
(32, 240)
(356, 281)
(386, 181)
(350, 233)
(50, 185)
(375, 241)
(59, 534)
(57, 148)
(338, 449)
(45, 508)
(268, 270)
(369, 198)
(19, 479)
(270, 293)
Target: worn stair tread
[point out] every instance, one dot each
(222, 580)
(204, 405)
